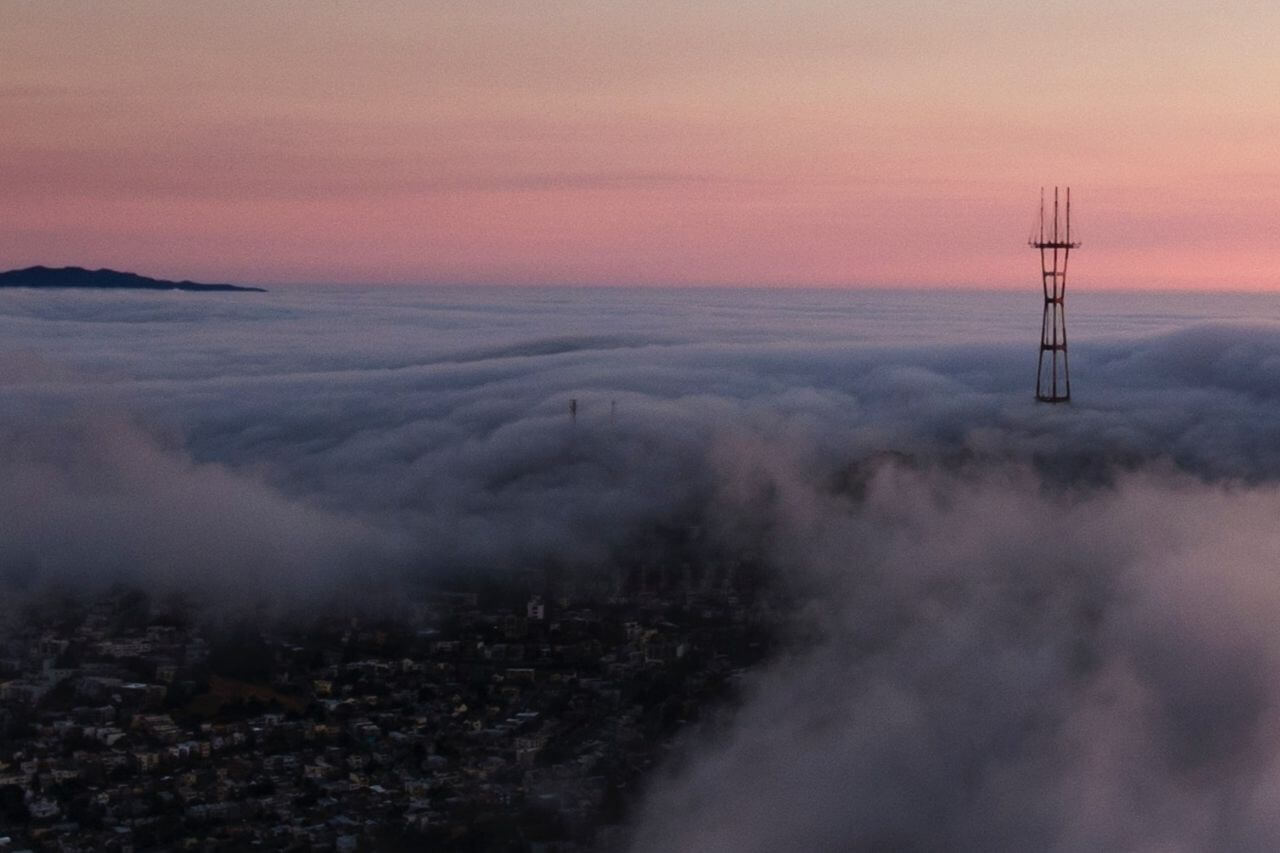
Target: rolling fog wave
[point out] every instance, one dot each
(1036, 627)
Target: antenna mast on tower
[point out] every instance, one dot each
(1053, 379)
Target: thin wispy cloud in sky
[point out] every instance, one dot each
(813, 144)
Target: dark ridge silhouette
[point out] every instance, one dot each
(48, 277)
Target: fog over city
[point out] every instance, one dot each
(1017, 626)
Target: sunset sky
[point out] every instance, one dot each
(813, 142)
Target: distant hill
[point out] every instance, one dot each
(48, 277)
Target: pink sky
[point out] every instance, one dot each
(813, 142)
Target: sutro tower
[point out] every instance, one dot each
(1053, 380)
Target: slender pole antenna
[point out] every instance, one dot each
(1042, 214)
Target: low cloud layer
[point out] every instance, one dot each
(1030, 627)
(93, 499)
(1005, 667)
